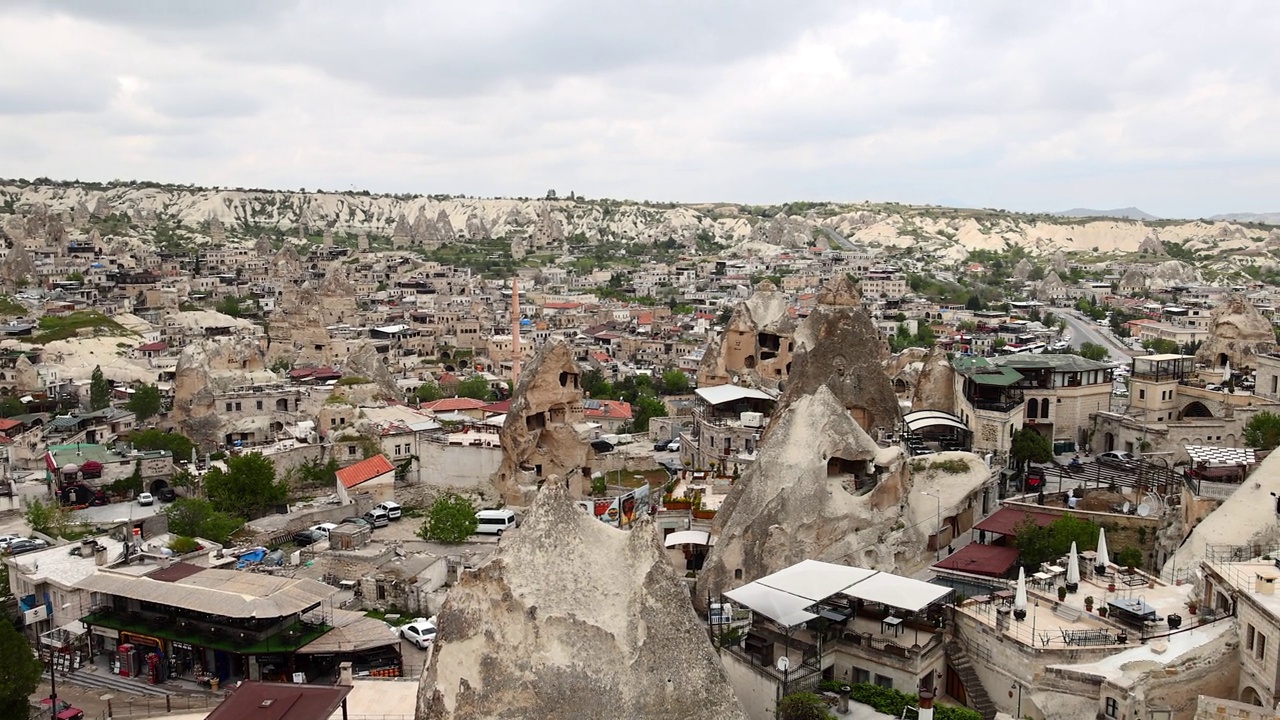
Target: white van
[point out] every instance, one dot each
(494, 522)
(393, 509)
(377, 517)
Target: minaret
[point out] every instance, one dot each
(515, 331)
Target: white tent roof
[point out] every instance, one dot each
(815, 580)
(932, 418)
(1221, 455)
(897, 591)
(689, 537)
(784, 608)
(717, 394)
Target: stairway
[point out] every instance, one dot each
(88, 677)
(978, 698)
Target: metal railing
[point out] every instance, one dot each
(149, 706)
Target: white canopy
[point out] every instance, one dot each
(689, 537)
(782, 607)
(815, 580)
(921, 419)
(1073, 566)
(898, 591)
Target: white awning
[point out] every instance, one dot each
(1221, 455)
(921, 419)
(717, 394)
(815, 580)
(689, 537)
(897, 591)
(783, 608)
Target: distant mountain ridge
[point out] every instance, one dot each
(1128, 213)
(1270, 218)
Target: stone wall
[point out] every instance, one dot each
(458, 466)
(1212, 708)
(757, 692)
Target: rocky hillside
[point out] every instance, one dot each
(140, 208)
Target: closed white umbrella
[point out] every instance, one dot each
(1073, 569)
(1103, 559)
(1020, 597)
(1226, 373)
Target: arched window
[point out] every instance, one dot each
(1033, 408)
(1044, 408)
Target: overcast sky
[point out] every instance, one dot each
(1167, 105)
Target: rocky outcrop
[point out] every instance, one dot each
(1237, 332)
(539, 437)
(573, 619)
(1051, 287)
(18, 267)
(839, 347)
(205, 369)
(1172, 273)
(1151, 245)
(935, 387)
(756, 345)
(1023, 269)
(364, 361)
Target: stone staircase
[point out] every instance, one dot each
(978, 698)
(91, 677)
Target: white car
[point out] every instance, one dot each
(420, 632)
(673, 446)
(324, 528)
(146, 499)
(5, 540)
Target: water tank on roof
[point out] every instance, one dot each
(752, 419)
(70, 469)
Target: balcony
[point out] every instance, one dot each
(209, 635)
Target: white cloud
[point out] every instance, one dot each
(1166, 105)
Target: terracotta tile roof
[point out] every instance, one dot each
(9, 424)
(364, 470)
(154, 347)
(607, 409)
(978, 559)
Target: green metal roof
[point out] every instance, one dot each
(981, 371)
(1058, 362)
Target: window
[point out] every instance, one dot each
(1113, 708)
(860, 676)
(228, 407)
(351, 450)
(884, 682)
(1142, 394)
(1248, 638)
(237, 407)
(259, 404)
(1260, 650)
(1275, 384)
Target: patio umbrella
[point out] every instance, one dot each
(1103, 559)
(1226, 373)
(1020, 597)
(1073, 569)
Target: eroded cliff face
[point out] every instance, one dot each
(935, 386)
(573, 619)
(206, 368)
(1237, 332)
(539, 438)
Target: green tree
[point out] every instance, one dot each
(46, 517)
(1129, 556)
(1263, 431)
(20, 672)
(1161, 346)
(1030, 446)
(645, 408)
(1093, 351)
(11, 406)
(675, 382)
(231, 305)
(196, 517)
(475, 387)
(594, 385)
(451, 519)
(247, 488)
(145, 403)
(974, 302)
(126, 486)
(1039, 544)
(803, 706)
(99, 389)
(428, 392)
(180, 446)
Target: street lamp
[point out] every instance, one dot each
(1018, 686)
(53, 673)
(937, 524)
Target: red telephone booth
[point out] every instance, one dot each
(127, 660)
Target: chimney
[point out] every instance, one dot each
(344, 674)
(842, 705)
(100, 555)
(1266, 585)
(925, 711)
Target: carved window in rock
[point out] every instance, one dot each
(536, 421)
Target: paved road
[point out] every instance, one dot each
(1085, 330)
(118, 512)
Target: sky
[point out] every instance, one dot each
(1166, 105)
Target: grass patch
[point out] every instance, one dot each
(951, 467)
(65, 327)
(8, 306)
(404, 618)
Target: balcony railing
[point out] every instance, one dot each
(209, 635)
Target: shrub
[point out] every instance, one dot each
(892, 702)
(451, 519)
(182, 545)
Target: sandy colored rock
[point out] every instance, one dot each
(205, 368)
(1151, 245)
(364, 361)
(756, 345)
(539, 437)
(573, 619)
(935, 387)
(1237, 332)
(1023, 269)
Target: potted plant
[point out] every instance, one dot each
(1102, 611)
(1088, 603)
(1193, 605)
(1111, 587)
(1062, 593)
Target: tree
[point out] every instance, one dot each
(451, 519)
(1161, 346)
(973, 302)
(1093, 351)
(1038, 544)
(1263, 431)
(247, 488)
(180, 446)
(48, 518)
(127, 486)
(20, 672)
(11, 406)
(428, 392)
(675, 382)
(99, 389)
(1030, 446)
(803, 706)
(196, 517)
(145, 402)
(475, 387)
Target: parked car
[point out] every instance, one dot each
(166, 494)
(146, 498)
(420, 632)
(495, 522)
(66, 711)
(393, 509)
(26, 545)
(324, 528)
(5, 540)
(353, 520)
(1118, 458)
(377, 517)
(661, 445)
(306, 537)
(673, 446)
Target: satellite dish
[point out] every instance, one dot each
(1125, 509)
(784, 663)
(1144, 510)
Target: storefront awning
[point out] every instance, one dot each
(689, 537)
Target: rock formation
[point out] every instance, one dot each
(838, 346)
(17, 268)
(1023, 269)
(364, 361)
(573, 619)
(1171, 273)
(1051, 287)
(1237, 332)
(935, 387)
(1151, 245)
(1060, 262)
(203, 370)
(539, 438)
(755, 347)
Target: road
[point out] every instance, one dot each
(1085, 330)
